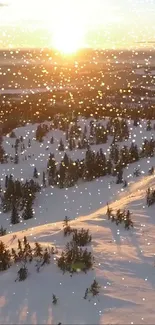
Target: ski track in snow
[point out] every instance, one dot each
(124, 260)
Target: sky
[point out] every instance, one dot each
(77, 23)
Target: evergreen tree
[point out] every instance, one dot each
(124, 130)
(22, 274)
(2, 231)
(5, 257)
(16, 159)
(136, 121)
(109, 167)
(66, 160)
(89, 166)
(51, 167)
(61, 175)
(148, 127)
(114, 153)
(119, 177)
(133, 153)
(86, 294)
(71, 176)
(52, 140)
(54, 300)
(66, 222)
(95, 288)
(44, 180)
(61, 146)
(6, 181)
(28, 211)
(79, 145)
(124, 156)
(14, 216)
(3, 159)
(70, 144)
(29, 143)
(16, 145)
(151, 171)
(12, 135)
(85, 130)
(35, 173)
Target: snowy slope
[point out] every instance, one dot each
(124, 260)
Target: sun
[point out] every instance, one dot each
(68, 38)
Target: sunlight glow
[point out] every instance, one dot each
(68, 28)
(67, 39)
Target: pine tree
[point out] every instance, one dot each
(12, 135)
(119, 177)
(46, 257)
(38, 250)
(14, 216)
(95, 288)
(66, 222)
(29, 143)
(44, 180)
(136, 121)
(70, 144)
(28, 211)
(133, 153)
(109, 167)
(148, 128)
(5, 257)
(16, 159)
(16, 145)
(3, 159)
(52, 140)
(109, 211)
(66, 160)
(86, 294)
(61, 175)
(61, 146)
(2, 231)
(6, 181)
(38, 255)
(22, 274)
(85, 130)
(51, 167)
(54, 300)
(35, 173)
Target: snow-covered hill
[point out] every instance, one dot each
(124, 260)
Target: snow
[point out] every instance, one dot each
(124, 260)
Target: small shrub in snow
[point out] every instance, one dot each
(66, 222)
(23, 254)
(86, 294)
(82, 237)
(22, 274)
(94, 290)
(121, 217)
(127, 221)
(75, 259)
(2, 231)
(14, 215)
(5, 257)
(54, 300)
(151, 171)
(67, 230)
(109, 212)
(150, 197)
(12, 135)
(137, 172)
(35, 173)
(125, 184)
